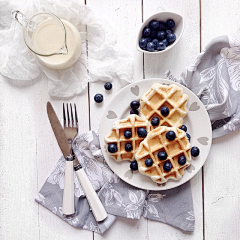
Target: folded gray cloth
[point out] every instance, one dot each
(173, 206)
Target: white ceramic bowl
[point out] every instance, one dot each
(163, 16)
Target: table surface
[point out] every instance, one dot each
(29, 151)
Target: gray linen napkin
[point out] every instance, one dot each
(173, 206)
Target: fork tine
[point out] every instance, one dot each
(71, 114)
(68, 116)
(64, 116)
(76, 117)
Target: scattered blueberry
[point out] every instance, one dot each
(128, 147)
(167, 166)
(150, 46)
(170, 24)
(146, 32)
(164, 111)
(134, 111)
(161, 35)
(161, 46)
(171, 37)
(184, 128)
(195, 151)
(170, 135)
(155, 121)
(134, 165)
(127, 134)
(154, 24)
(143, 43)
(188, 136)
(134, 105)
(148, 162)
(108, 86)
(182, 160)
(142, 132)
(98, 98)
(169, 31)
(162, 26)
(155, 42)
(165, 42)
(112, 147)
(162, 155)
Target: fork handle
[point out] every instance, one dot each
(98, 210)
(68, 193)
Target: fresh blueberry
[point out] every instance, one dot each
(195, 151)
(162, 26)
(169, 31)
(134, 165)
(134, 111)
(148, 162)
(161, 46)
(150, 47)
(98, 98)
(171, 37)
(134, 105)
(182, 160)
(146, 32)
(112, 147)
(127, 134)
(108, 86)
(164, 111)
(170, 24)
(165, 42)
(167, 166)
(154, 24)
(155, 121)
(148, 40)
(155, 41)
(161, 35)
(188, 136)
(128, 147)
(184, 128)
(162, 155)
(170, 135)
(143, 43)
(142, 132)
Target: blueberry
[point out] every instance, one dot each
(170, 135)
(127, 134)
(134, 105)
(188, 136)
(195, 151)
(108, 86)
(167, 166)
(161, 46)
(171, 37)
(182, 160)
(143, 43)
(155, 42)
(153, 34)
(98, 98)
(155, 121)
(162, 155)
(148, 162)
(164, 111)
(142, 132)
(150, 47)
(134, 165)
(112, 147)
(184, 128)
(169, 31)
(161, 35)
(162, 26)
(154, 24)
(146, 32)
(128, 147)
(148, 40)
(165, 42)
(134, 111)
(170, 23)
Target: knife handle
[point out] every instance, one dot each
(68, 192)
(98, 210)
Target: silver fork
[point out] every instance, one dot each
(71, 130)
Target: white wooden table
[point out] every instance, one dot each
(27, 141)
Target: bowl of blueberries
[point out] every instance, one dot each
(160, 32)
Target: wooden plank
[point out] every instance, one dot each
(176, 60)
(221, 171)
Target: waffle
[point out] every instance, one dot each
(160, 95)
(132, 122)
(155, 142)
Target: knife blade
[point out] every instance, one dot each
(68, 192)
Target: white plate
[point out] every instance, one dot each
(197, 122)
